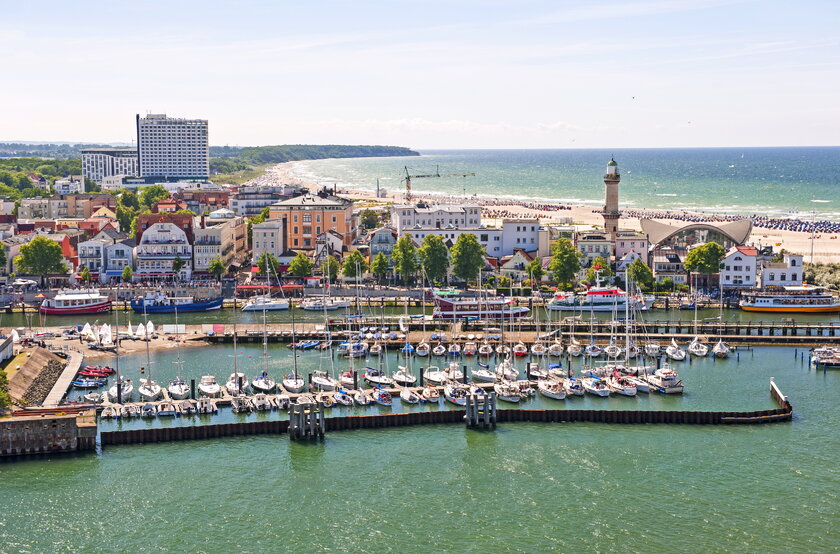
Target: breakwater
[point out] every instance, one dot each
(347, 423)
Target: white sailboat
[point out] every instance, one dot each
(178, 388)
(149, 390)
(675, 351)
(237, 382)
(551, 388)
(293, 382)
(122, 389)
(264, 383)
(209, 387)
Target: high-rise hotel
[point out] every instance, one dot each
(172, 148)
(98, 163)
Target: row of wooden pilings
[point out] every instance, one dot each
(311, 423)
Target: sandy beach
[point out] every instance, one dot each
(826, 246)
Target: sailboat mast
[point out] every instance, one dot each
(627, 317)
(117, 347)
(294, 339)
(148, 340)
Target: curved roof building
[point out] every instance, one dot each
(687, 233)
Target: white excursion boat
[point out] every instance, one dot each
(675, 351)
(265, 304)
(450, 305)
(551, 388)
(208, 386)
(599, 299)
(76, 302)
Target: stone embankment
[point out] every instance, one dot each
(33, 381)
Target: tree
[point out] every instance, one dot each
(256, 220)
(369, 219)
(41, 256)
(5, 399)
(125, 217)
(704, 259)
(329, 268)
(217, 268)
(599, 264)
(380, 266)
(128, 199)
(640, 273)
(301, 265)
(152, 194)
(85, 274)
(127, 274)
(434, 257)
(92, 186)
(565, 261)
(535, 271)
(267, 263)
(178, 264)
(467, 257)
(354, 265)
(404, 256)
(3, 259)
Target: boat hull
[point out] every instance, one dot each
(97, 308)
(830, 308)
(204, 306)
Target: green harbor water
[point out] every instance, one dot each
(523, 487)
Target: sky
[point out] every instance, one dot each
(427, 74)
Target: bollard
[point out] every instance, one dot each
(465, 374)
(192, 389)
(737, 356)
(355, 380)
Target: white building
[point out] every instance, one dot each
(429, 216)
(92, 255)
(787, 273)
(169, 147)
(268, 236)
(159, 247)
(69, 185)
(117, 256)
(99, 163)
(593, 244)
(740, 267)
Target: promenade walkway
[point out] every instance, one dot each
(74, 362)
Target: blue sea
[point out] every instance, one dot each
(782, 182)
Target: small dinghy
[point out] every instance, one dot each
(261, 403)
(241, 405)
(166, 409)
(187, 407)
(110, 412)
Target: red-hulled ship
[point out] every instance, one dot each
(455, 306)
(72, 302)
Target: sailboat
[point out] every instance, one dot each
(149, 390)
(696, 346)
(721, 349)
(122, 389)
(178, 388)
(293, 382)
(237, 383)
(675, 351)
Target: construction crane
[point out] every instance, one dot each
(408, 177)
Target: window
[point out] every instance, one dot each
(307, 218)
(793, 264)
(784, 276)
(295, 230)
(792, 275)
(334, 219)
(484, 238)
(307, 242)
(772, 276)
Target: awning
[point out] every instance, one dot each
(114, 273)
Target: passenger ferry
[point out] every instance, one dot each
(71, 302)
(599, 299)
(796, 299)
(159, 303)
(451, 306)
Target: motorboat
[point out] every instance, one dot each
(283, 401)
(186, 407)
(110, 412)
(381, 397)
(470, 349)
(149, 390)
(325, 399)
(666, 381)
(509, 392)
(430, 394)
(595, 386)
(89, 382)
(486, 349)
(422, 349)
(178, 389)
(519, 349)
(206, 406)
(721, 349)
(551, 388)
(506, 370)
(263, 383)
(434, 375)
(148, 410)
(697, 348)
(457, 394)
(408, 396)
(159, 303)
(208, 386)
(265, 304)
(404, 377)
(377, 377)
(555, 350)
(237, 383)
(323, 381)
(241, 405)
(166, 409)
(573, 387)
(675, 351)
(341, 397)
(293, 383)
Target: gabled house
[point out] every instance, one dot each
(740, 267)
(515, 265)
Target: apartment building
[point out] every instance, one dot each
(268, 236)
(99, 163)
(172, 148)
(309, 215)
